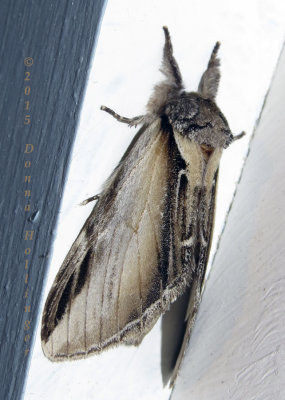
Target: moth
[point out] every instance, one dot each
(148, 236)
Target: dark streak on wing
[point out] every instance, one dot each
(197, 251)
(83, 273)
(47, 327)
(166, 234)
(64, 300)
(51, 323)
(179, 208)
(50, 317)
(182, 207)
(168, 231)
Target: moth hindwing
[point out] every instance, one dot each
(149, 233)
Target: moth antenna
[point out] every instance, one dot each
(209, 83)
(130, 121)
(170, 67)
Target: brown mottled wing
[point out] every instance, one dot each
(123, 269)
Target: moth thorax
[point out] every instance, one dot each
(200, 120)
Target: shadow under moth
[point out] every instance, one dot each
(148, 236)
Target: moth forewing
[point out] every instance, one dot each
(149, 233)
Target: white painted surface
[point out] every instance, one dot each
(237, 350)
(124, 70)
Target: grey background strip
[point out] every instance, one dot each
(45, 50)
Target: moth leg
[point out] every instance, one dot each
(239, 136)
(130, 121)
(92, 198)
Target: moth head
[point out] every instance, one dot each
(192, 114)
(199, 119)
